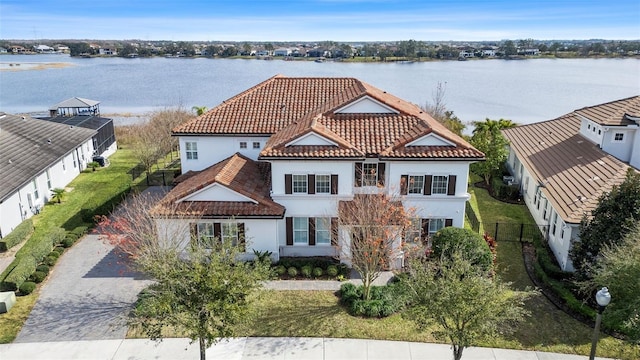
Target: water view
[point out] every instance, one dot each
(525, 91)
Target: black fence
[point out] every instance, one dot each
(516, 232)
(156, 178)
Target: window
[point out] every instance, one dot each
(435, 225)
(230, 233)
(48, 179)
(554, 223)
(544, 214)
(369, 174)
(537, 201)
(256, 145)
(588, 126)
(82, 153)
(323, 184)
(563, 226)
(599, 132)
(300, 230)
(593, 129)
(35, 189)
(299, 184)
(206, 235)
(191, 150)
(74, 159)
(414, 231)
(64, 167)
(416, 184)
(323, 231)
(618, 137)
(243, 144)
(439, 184)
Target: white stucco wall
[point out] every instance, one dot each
(620, 149)
(213, 149)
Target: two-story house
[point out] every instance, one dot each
(273, 163)
(564, 165)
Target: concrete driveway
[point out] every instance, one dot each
(87, 296)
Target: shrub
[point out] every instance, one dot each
(317, 271)
(306, 271)
(59, 249)
(281, 270)
(80, 231)
(503, 191)
(385, 300)
(292, 271)
(37, 277)
(332, 270)
(71, 235)
(27, 287)
(472, 245)
(68, 242)
(43, 268)
(50, 260)
(18, 235)
(54, 254)
(25, 266)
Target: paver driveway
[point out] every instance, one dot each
(87, 296)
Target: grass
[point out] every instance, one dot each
(12, 321)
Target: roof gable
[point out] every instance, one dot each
(614, 113)
(311, 139)
(217, 192)
(366, 105)
(430, 140)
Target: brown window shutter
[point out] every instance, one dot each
(288, 184)
(334, 231)
(427, 184)
(448, 222)
(217, 231)
(425, 229)
(358, 174)
(404, 181)
(311, 184)
(312, 231)
(193, 231)
(381, 174)
(451, 188)
(334, 184)
(241, 238)
(289, 222)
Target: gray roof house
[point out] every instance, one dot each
(35, 157)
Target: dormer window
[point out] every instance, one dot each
(243, 144)
(618, 137)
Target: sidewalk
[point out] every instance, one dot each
(262, 349)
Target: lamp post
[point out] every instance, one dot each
(602, 298)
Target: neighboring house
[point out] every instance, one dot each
(107, 51)
(273, 163)
(35, 157)
(86, 114)
(466, 54)
(44, 49)
(282, 52)
(564, 165)
(3, 50)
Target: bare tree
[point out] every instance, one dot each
(376, 223)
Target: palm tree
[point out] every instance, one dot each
(199, 109)
(57, 194)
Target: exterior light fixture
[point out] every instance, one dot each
(603, 298)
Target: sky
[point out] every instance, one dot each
(320, 20)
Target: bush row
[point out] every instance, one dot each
(309, 268)
(385, 300)
(18, 235)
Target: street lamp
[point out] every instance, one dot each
(602, 298)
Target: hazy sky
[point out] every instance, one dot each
(317, 20)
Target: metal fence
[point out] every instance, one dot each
(502, 231)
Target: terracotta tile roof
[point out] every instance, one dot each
(614, 113)
(575, 172)
(238, 173)
(360, 134)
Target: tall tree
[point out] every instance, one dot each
(201, 289)
(457, 296)
(509, 48)
(617, 213)
(437, 108)
(488, 139)
(377, 222)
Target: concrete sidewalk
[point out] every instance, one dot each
(262, 349)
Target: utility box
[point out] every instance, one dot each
(7, 300)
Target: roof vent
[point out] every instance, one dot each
(600, 162)
(10, 161)
(49, 141)
(24, 118)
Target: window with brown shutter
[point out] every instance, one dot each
(312, 231)
(451, 188)
(193, 232)
(241, 238)
(289, 226)
(358, 174)
(404, 179)
(288, 184)
(311, 184)
(448, 222)
(217, 231)
(334, 184)
(427, 184)
(425, 229)
(334, 231)
(381, 173)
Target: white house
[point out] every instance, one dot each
(564, 165)
(276, 161)
(35, 157)
(282, 52)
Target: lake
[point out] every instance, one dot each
(524, 91)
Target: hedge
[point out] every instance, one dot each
(18, 235)
(20, 273)
(39, 247)
(79, 231)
